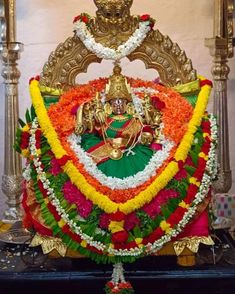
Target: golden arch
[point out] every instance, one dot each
(157, 52)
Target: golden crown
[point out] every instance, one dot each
(108, 3)
(118, 86)
(113, 11)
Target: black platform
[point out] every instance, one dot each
(150, 275)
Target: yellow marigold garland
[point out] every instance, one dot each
(195, 122)
(79, 180)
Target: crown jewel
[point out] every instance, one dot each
(118, 86)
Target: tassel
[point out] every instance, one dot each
(118, 283)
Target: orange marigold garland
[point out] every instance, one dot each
(88, 190)
(176, 115)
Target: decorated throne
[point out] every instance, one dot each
(118, 168)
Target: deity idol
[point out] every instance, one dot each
(118, 138)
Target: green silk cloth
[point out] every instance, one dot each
(129, 164)
(49, 100)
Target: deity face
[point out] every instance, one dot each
(118, 106)
(113, 11)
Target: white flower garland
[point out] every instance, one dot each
(27, 172)
(209, 175)
(212, 168)
(50, 191)
(107, 53)
(138, 179)
(138, 101)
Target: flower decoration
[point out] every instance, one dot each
(123, 287)
(24, 140)
(55, 167)
(37, 78)
(144, 196)
(63, 160)
(96, 230)
(73, 195)
(84, 17)
(160, 105)
(104, 221)
(131, 221)
(166, 227)
(81, 24)
(147, 17)
(206, 82)
(120, 237)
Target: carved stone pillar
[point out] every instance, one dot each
(221, 49)
(10, 53)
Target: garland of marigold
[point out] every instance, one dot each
(165, 226)
(90, 192)
(175, 115)
(195, 122)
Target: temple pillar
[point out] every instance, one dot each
(221, 48)
(10, 52)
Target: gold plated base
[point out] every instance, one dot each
(185, 249)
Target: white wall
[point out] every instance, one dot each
(42, 24)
